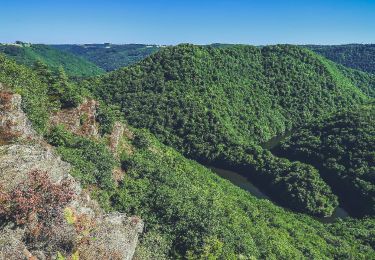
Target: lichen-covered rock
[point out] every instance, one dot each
(87, 230)
(112, 227)
(115, 137)
(17, 160)
(14, 124)
(80, 120)
(11, 245)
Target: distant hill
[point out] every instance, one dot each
(356, 56)
(110, 56)
(28, 54)
(274, 88)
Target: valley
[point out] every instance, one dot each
(196, 142)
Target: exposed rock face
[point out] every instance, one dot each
(17, 160)
(115, 235)
(112, 228)
(80, 120)
(14, 124)
(116, 135)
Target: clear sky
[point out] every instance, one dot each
(193, 21)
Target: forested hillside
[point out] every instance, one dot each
(28, 54)
(110, 56)
(356, 56)
(190, 212)
(216, 104)
(250, 94)
(364, 81)
(343, 147)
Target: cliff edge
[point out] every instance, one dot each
(44, 213)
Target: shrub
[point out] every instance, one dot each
(35, 203)
(58, 136)
(92, 161)
(106, 117)
(141, 141)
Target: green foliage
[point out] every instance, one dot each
(342, 147)
(59, 256)
(190, 212)
(92, 161)
(28, 54)
(213, 103)
(107, 116)
(110, 56)
(212, 250)
(240, 94)
(63, 91)
(291, 184)
(44, 73)
(364, 81)
(356, 56)
(58, 136)
(140, 140)
(361, 229)
(33, 90)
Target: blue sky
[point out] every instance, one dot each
(193, 21)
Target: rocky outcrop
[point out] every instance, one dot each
(115, 137)
(17, 160)
(112, 228)
(14, 124)
(80, 120)
(109, 236)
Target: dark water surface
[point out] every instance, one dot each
(240, 181)
(245, 184)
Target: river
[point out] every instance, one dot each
(244, 183)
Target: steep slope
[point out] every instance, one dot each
(364, 81)
(241, 94)
(24, 81)
(43, 211)
(355, 56)
(216, 104)
(342, 146)
(28, 54)
(110, 56)
(190, 212)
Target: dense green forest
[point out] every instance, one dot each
(356, 56)
(216, 104)
(191, 213)
(28, 54)
(248, 94)
(364, 81)
(110, 56)
(343, 148)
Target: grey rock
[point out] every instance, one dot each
(22, 151)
